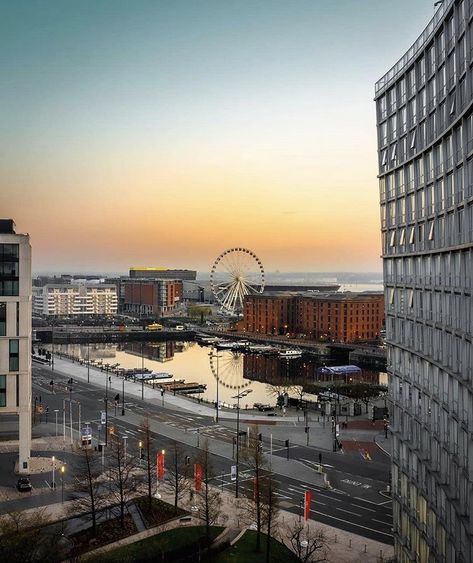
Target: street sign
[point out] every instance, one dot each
(103, 417)
(337, 430)
(233, 473)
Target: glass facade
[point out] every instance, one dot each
(426, 198)
(9, 274)
(3, 319)
(14, 357)
(3, 391)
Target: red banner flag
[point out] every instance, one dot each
(198, 476)
(307, 503)
(160, 465)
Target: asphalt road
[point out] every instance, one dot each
(354, 504)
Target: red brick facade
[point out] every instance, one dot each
(342, 317)
(153, 297)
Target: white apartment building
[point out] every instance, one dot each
(15, 334)
(75, 299)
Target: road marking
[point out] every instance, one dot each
(381, 522)
(331, 498)
(349, 512)
(364, 507)
(352, 523)
(371, 502)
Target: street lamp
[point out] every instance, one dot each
(56, 412)
(123, 395)
(125, 438)
(63, 469)
(54, 463)
(212, 355)
(142, 374)
(88, 362)
(140, 444)
(237, 442)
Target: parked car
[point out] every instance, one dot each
(24, 484)
(180, 327)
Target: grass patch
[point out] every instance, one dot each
(171, 545)
(244, 551)
(158, 512)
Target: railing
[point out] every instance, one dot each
(392, 73)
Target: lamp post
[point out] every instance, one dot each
(63, 469)
(125, 438)
(140, 444)
(56, 413)
(54, 463)
(237, 443)
(212, 355)
(88, 362)
(123, 395)
(142, 374)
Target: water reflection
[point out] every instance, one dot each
(257, 378)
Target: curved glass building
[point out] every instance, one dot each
(425, 148)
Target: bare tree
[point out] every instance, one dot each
(88, 489)
(178, 475)
(27, 536)
(270, 510)
(309, 544)
(209, 499)
(123, 481)
(253, 455)
(146, 439)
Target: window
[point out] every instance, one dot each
(3, 319)
(393, 152)
(413, 140)
(431, 60)
(393, 127)
(431, 231)
(384, 157)
(9, 276)
(3, 391)
(412, 235)
(402, 239)
(14, 355)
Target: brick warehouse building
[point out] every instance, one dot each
(151, 297)
(337, 317)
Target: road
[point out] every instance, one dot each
(354, 504)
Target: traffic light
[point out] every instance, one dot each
(117, 397)
(260, 437)
(187, 460)
(287, 443)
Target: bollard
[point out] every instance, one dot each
(336, 538)
(364, 549)
(381, 554)
(349, 544)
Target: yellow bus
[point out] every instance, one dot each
(154, 326)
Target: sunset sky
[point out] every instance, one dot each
(159, 133)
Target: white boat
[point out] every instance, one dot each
(290, 353)
(226, 344)
(261, 348)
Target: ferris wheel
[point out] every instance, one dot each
(236, 273)
(230, 369)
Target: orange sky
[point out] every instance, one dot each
(161, 133)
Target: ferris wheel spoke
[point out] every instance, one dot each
(229, 297)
